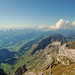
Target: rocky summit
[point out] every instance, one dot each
(55, 58)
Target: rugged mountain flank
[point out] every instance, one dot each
(42, 44)
(46, 41)
(48, 53)
(54, 54)
(44, 56)
(51, 57)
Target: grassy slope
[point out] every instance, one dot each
(23, 59)
(71, 45)
(61, 69)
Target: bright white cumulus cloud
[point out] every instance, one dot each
(73, 23)
(61, 24)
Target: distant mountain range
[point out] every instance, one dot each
(9, 37)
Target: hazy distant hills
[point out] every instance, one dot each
(15, 37)
(19, 36)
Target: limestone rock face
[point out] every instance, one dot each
(21, 70)
(65, 55)
(2, 72)
(48, 58)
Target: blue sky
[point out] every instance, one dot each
(35, 12)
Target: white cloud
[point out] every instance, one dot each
(61, 24)
(41, 27)
(73, 23)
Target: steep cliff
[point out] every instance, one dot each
(50, 57)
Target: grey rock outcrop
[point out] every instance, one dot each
(65, 55)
